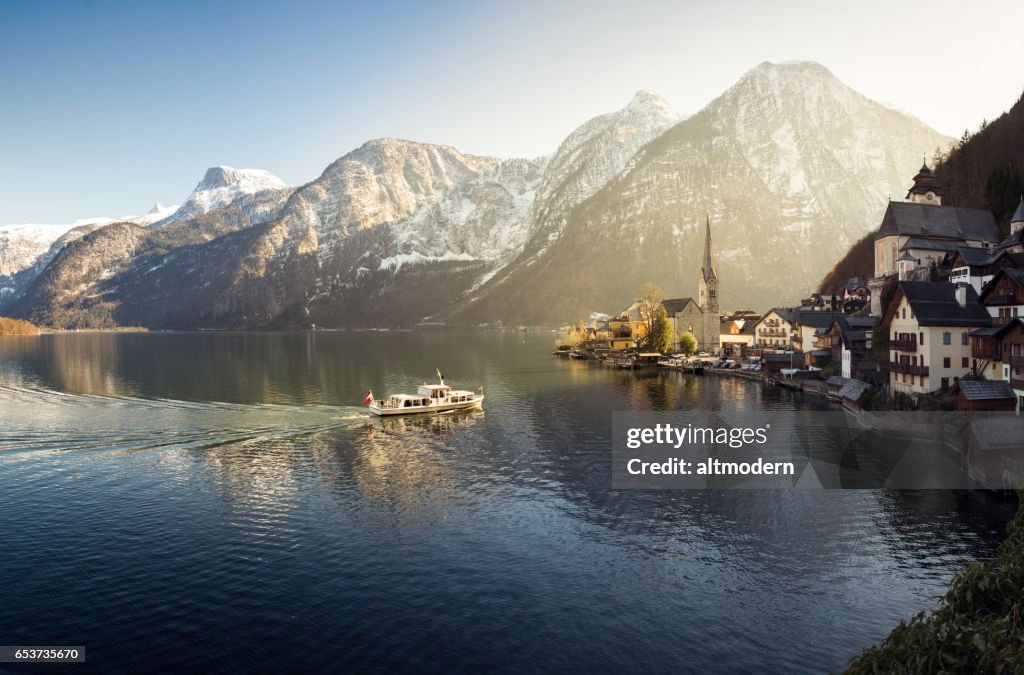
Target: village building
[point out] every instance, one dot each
(985, 395)
(849, 339)
(998, 354)
(776, 330)
(930, 325)
(736, 332)
(922, 232)
(978, 266)
(1003, 297)
(811, 322)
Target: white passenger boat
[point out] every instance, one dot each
(429, 398)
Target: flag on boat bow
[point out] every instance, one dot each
(369, 397)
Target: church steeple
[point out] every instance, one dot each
(707, 297)
(708, 270)
(926, 187)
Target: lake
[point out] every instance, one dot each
(220, 502)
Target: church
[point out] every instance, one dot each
(700, 317)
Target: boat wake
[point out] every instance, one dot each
(46, 421)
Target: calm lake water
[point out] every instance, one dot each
(219, 502)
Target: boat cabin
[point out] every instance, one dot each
(407, 401)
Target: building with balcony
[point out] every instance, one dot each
(776, 330)
(929, 335)
(978, 266)
(997, 353)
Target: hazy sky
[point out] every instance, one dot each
(106, 107)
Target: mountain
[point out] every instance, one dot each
(221, 186)
(792, 166)
(25, 250)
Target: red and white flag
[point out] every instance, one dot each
(369, 397)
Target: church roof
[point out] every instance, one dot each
(674, 306)
(929, 244)
(945, 222)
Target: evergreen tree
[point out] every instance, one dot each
(660, 337)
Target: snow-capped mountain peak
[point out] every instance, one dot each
(220, 186)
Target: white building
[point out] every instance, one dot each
(929, 334)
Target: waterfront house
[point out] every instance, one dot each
(985, 395)
(776, 329)
(929, 324)
(615, 333)
(849, 338)
(736, 332)
(774, 363)
(995, 451)
(998, 354)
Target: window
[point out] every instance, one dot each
(945, 362)
(922, 337)
(964, 363)
(904, 312)
(946, 338)
(964, 340)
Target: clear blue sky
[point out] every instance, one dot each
(107, 107)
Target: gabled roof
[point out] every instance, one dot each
(934, 304)
(675, 305)
(785, 313)
(854, 329)
(816, 318)
(949, 222)
(1017, 275)
(977, 257)
(986, 390)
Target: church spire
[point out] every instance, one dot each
(708, 270)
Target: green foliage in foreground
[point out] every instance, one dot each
(978, 627)
(687, 343)
(16, 327)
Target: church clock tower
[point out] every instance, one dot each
(709, 340)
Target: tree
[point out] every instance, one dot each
(687, 343)
(648, 301)
(659, 339)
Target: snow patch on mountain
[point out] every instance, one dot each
(220, 186)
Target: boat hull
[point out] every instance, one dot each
(477, 403)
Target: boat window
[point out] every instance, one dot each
(408, 403)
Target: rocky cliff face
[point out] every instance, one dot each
(790, 163)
